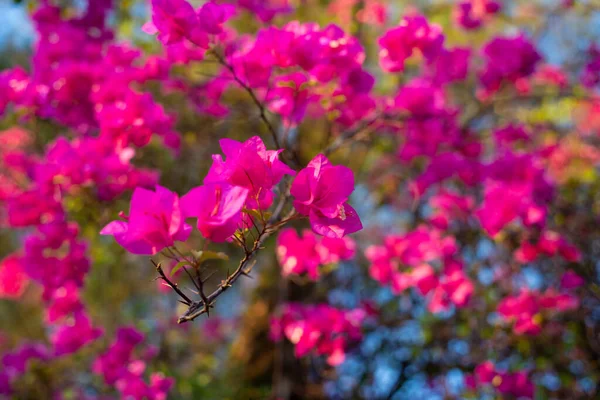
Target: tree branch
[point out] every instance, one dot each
(198, 308)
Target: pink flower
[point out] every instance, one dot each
(13, 280)
(515, 384)
(455, 288)
(251, 166)
(511, 133)
(298, 255)
(16, 361)
(155, 222)
(508, 59)
(501, 206)
(73, 335)
(570, 280)
(321, 328)
(450, 206)
(413, 33)
(334, 250)
(289, 97)
(306, 253)
(175, 20)
(64, 302)
(550, 244)
(470, 14)
(212, 16)
(218, 207)
(527, 308)
(321, 192)
(451, 65)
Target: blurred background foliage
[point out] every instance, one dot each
(229, 355)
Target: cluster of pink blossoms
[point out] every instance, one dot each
(15, 363)
(516, 187)
(243, 181)
(414, 33)
(321, 328)
(549, 244)
(120, 369)
(500, 69)
(305, 254)
(528, 309)
(591, 72)
(84, 81)
(515, 384)
(471, 14)
(295, 70)
(449, 207)
(406, 261)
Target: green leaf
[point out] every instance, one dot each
(258, 215)
(202, 256)
(178, 266)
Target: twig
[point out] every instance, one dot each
(248, 89)
(200, 307)
(172, 285)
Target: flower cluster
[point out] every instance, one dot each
(591, 72)
(448, 207)
(517, 384)
(516, 187)
(471, 14)
(527, 309)
(326, 330)
(94, 90)
(520, 63)
(13, 279)
(120, 369)
(15, 363)
(405, 261)
(414, 33)
(292, 67)
(321, 192)
(243, 181)
(305, 254)
(549, 244)
(81, 80)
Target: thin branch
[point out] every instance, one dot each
(172, 285)
(200, 307)
(250, 91)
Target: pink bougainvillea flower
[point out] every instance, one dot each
(508, 59)
(306, 253)
(322, 328)
(298, 254)
(413, 33)
(449, 206)
(321, 192)
(470, 14)
(511, 133)
(212, 16)
(289, 97)
(175, 20)
(515, 384)
(65, 301)
(13, 280)
(249, 165)
(570, 280)
(550, 244)
(155, 222)
(504, 202)
(451, 65)
(218, 207)
(71, 336)
(527, 308)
